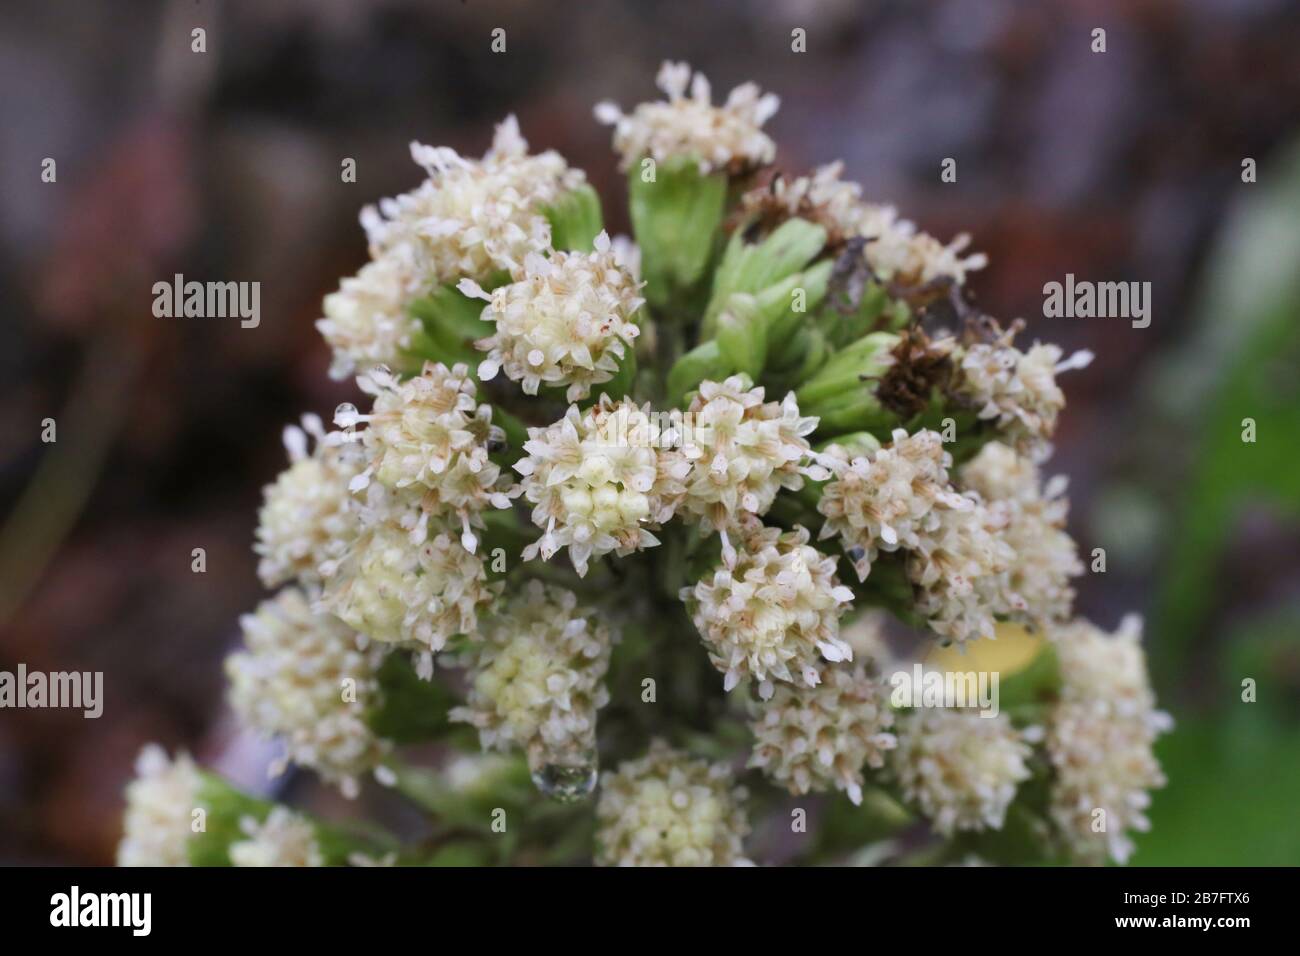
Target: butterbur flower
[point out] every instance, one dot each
(367, 321)
(597, 482)
(305, 523)
(160, 802)
(960, 768)
(283, 839)
(429, 437)
(957, 571)
(567, 321)
(1016, 390)
(390, 589)
(888, 499)
(819, 738)
(716, 137)
(742, 451)
(472, 217)
(306, 680)
(537, 678)
(1100, 740)
(469, 218)
(773, 613)
(670, 392)
(666, 809)
(1030, 516)
(898, 252)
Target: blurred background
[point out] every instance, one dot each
(1122, 166)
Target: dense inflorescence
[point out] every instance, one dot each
(582, 452)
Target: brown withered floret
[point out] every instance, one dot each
(920, 365)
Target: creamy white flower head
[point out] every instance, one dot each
(1107, 671)
(305, 523)
(393, 590)
(598, 478)
(160, 802)
(1017, 390)
(773, 613)
(717, 137)
(1102, 764)
(816, 738)
(960, 768)
(958, 573)
(537, 678)
(304, 679)
(1100, 739)
(889, 499)
(283, 839)
(567, 321)
(666, 809)
(899, 252)
(470, 217)
(742, 451)
(429, 436)
(366, 321)
(1030, 518)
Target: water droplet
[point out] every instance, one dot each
(566, 783)
(345, 416)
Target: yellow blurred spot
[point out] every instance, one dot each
(1012, 651)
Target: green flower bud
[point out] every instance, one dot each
(575, 219)
(676, 215)
(742, 336)
(752, 268)
(705, 361)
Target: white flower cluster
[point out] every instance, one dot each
(959, 767)
(816, 738)
(726, 137)
(597, 479)
(304, 679)
(567, 321)
(428, 442)
(393, 590)
(537, 678)
(958, 574)
(888, 499)
(306, 524)
(773, 612)
(470, 218)
(900, 498)
(284, 838)
(895, 249)
(1100, 738)
(666, 809)
(742, 451)
(1030, 518)
(160, 802)
(413, 574)
(1016, 390)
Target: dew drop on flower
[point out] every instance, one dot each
(566, 783)
(345, 416)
